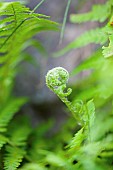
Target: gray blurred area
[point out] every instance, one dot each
(31, 80)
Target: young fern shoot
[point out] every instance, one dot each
(56, 80)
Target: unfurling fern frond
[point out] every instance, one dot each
(7, 112)
(56, 80)
(13, 158)
(18, 24)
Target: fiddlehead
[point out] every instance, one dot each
(56, 80)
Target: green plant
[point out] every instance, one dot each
(85, 141)
(92, 145)
(18, 27)
(100, 13)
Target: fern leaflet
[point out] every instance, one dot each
(97, 36)
(3, 140)
(98, 13)
(7, 112)
(13, 158)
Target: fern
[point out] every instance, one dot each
(3, 140)
(98, 13)
(20, 27)
(77, 140)
(8, 112)
(13, 158)
(97, 36)
(18, 132)
(15, 31)
(85, 141)
(90, 140)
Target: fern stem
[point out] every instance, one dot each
(64, 21)
(89, 131)
(12, 33)
(37, 6)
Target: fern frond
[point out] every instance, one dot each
(38, 140)
(97, 36)
(8, 111)
(98, 13)
(3, 140)
(20, 135)
(18, 24)
(13, 158)
(18, 131)
(16, 29)
(77, 140)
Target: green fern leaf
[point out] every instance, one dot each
(97, 36)
(16, 29)
(3, 140)
(77, 140)
(18, 24)
(91, 112)
(8, 111)
(13, 158)
(98, 13)
(18, 131)
(20, 135)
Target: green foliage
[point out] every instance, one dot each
(7, 112)
(97, 36)
(18, 27)
(94, 14)
(91, 146)
(18, 24)
(13, 158)
(85, 140)
(3, 140)
(100, 36)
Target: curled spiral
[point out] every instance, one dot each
(56, 80)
